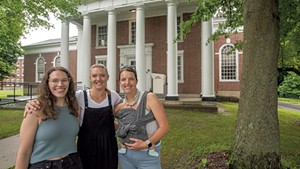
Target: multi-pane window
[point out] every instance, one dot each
(57, 61)
(180, 67)
(102, 36)
(18, 72)
(132, 63)
(40, 69)
(228, 62)
(102, 61)
(179, 34)
(132, 32)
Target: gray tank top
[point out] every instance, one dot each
(55, 137)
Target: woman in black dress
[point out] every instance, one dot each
(97, 144)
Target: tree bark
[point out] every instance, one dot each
(256, 141)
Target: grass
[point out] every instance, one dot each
(193, 133)
(10, 121)
(290, 100)
(4, 93)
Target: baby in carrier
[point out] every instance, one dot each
(132, 124)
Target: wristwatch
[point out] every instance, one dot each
(149, 143)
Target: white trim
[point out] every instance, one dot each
(101, 57)
(130, 32)
(97, 35)
(220, 64)
(36, 68)
(54, 60)
(181, 19)
(180, 53)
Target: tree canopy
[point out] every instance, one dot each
(232, 11)
(19, 17)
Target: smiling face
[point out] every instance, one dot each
(98, 78)
(59, 84)
(128, 81)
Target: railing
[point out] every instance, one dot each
(16, 95)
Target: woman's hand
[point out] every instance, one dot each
(137, 145)
(31, 106)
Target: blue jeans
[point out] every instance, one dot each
(139, 159)
(71, 161)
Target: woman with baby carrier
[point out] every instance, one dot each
(142, 124)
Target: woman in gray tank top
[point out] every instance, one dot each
(48, 135)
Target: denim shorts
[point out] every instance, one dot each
(139, 159)
(71, 161)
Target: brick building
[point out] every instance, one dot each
(15, 82)
(119, 33)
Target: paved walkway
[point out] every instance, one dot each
(8, 151)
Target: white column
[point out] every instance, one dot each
(86, 50)
(207, 60)
(140, 48)
(172, 91)
(111, 49)
(80, 57)
(64, 45)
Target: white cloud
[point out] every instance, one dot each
(44, 34)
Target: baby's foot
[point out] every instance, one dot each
(153, 153)
(122, 150)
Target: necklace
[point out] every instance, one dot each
(135, 99)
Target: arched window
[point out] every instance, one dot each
(228, 63)
(40, 69)
(57, 61)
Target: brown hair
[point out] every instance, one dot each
(129, 69)
(47, 99)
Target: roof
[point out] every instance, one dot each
(51, 41)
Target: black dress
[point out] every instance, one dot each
(97, 144)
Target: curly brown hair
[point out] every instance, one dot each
(47, 99)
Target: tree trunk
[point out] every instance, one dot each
(256, 142)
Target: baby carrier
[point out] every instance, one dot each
(132, 123)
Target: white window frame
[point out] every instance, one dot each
(103, 43)
(179, 31)
(221, 78)
(54, 61)
(180, 68)
(37, 78)
(131, 40)
(101, 59)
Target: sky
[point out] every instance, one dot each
(44, 34)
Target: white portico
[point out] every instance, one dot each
(137, 51)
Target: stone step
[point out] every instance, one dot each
(191, 105)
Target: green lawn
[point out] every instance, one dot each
(289, 100)
(193, 133)
(10, 121)
(4, 93)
